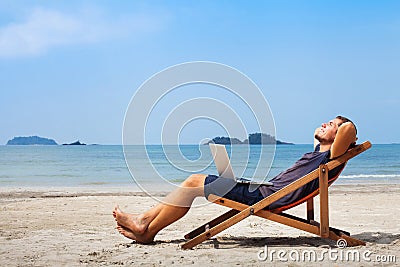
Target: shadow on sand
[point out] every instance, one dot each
(226, 242)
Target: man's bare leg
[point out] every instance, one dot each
(144, 227)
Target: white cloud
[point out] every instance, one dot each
(45, 28)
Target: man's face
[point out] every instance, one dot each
(327, 132)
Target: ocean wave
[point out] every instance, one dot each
(371, 176)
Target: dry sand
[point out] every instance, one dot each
(61, 227)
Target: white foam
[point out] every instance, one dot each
(370, 176)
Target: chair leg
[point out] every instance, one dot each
(323, 199)
(313, 228)
(299, 223)
(310, 209)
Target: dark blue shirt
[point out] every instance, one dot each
(308, 162)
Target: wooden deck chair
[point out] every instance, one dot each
(241, 211)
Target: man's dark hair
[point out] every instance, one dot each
(344, 119)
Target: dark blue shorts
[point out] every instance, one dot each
(239, 192)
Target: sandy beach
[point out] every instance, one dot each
(70, 227)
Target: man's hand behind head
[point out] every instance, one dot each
(345, 137)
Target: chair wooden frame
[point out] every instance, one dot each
(241, 211)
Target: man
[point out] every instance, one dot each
(144, 227)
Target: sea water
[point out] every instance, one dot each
(98, 166)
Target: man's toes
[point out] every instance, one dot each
(115, 210)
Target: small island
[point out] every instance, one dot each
(253, 139)
(31, 140)
(37, 140)
(77, 143)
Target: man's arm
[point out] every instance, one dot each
(345, 136)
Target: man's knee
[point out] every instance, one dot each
(195, 180)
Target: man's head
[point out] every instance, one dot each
(344, 119)
(327, 132)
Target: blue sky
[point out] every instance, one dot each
(68, 69)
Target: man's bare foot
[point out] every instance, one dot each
(131, 214)
(144, 238)
(126, 232)
(134, 223)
